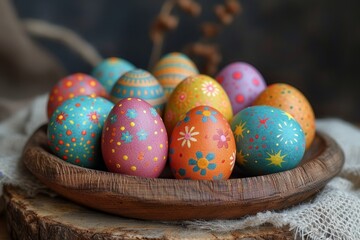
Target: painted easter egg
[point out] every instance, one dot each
(109, 70)
(134, 139)
(195, 91)
(268, 140)
(139, 83)
(74, 130)
(71, 86)
(242, 83)
(171, 69)
(202, 146)
(291, 100)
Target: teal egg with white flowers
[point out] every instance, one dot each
(268, 140)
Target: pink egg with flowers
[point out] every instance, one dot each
(242, 82)
(134, 139)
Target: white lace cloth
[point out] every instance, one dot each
(333, 214)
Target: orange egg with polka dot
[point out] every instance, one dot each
(134, 139)
(71, 86)
(202, 146)
(291, 100)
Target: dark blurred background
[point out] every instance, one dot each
(312, 45)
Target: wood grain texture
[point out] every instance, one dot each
(172, 199)
(3, 230)
(44, 217)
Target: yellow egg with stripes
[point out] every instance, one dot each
(171, 69)
(140, 84)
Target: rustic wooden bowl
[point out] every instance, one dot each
(172, 199)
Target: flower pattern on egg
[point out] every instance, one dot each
(61, 117)
(126, 137)
(136, 144)
(142, 135)
(195, 91)
(202, 146)
(218, 177)
(207, 114)
(222, 138)
(188, 136)
(131, 113)
(94, 117)
(209, 89)
(202, 163)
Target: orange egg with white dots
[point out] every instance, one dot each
(77, 84)
(292, 101)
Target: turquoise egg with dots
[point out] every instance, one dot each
(74, 130)
(268, 140)
(139, 83)
(109, 70)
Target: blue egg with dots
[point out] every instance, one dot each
(139, 83)
(74, 130)
(268, 140)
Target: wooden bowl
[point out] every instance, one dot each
(173, 199)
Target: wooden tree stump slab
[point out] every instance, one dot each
(45, 217)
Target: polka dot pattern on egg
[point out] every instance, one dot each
(134, 139)
(71, 86)
(242, 83)
(74, 130)
(291, 100)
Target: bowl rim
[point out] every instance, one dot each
(307, 178)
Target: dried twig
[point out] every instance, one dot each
(165, 22)
(205, 48)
